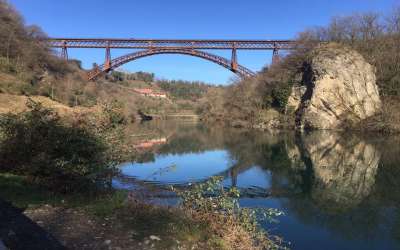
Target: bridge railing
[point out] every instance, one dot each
(169, 43)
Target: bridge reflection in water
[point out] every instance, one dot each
(343, 188)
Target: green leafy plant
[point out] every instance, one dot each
(280, 96)
(212, 199)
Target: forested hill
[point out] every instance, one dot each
(29, 67)
(175, 89)
(187, 90)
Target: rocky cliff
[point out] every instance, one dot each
(337, 86)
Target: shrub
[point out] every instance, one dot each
(114, 112)
(280, 96)
(37, 144)
(219, 207)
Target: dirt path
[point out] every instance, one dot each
(76, 230)
(17, 231)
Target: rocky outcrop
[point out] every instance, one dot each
(294, 100)
(337, 86)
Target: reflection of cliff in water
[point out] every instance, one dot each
(344, 167)
(345, 183)
(335, 170)
(353, 192)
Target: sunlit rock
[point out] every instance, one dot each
(294, 99)
(338, 86)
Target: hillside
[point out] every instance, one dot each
(28, 67)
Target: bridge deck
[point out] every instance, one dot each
(170, 43)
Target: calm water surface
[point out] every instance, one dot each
(338, 191)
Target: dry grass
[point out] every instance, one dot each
(204, 231)
(386, 121)
(17, 103)
(228, 234)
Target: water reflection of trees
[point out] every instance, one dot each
(336, 170)
(344, 168)
(189, 140)
(354, 184)
(345, 183)
(332, 168)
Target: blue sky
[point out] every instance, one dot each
(205, 19)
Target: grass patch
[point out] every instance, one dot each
(25, 194)
(22, 194)
(172, 225)
(104, 205)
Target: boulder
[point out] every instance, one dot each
(338, 86)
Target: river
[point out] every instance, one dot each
(337, 190)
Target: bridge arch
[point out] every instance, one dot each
(116, 62)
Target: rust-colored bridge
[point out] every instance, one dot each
(148, 47)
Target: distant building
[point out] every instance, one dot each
(150, 93)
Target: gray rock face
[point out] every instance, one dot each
(294, 99)
(338, 86)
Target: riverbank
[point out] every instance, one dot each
(127, 226)
(68, 192)
(120, 220)
(304, 176)
(337, 187)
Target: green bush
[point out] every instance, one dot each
(280, 96)
(211, 199)
(38, 145)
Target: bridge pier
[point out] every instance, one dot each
(107, 61)
(275, 55)
(234, 63)
(64, 51)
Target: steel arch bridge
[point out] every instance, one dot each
(149, 47)
(115, 63)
